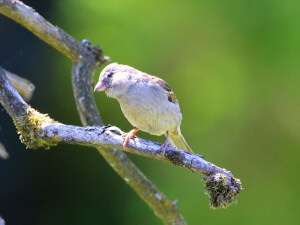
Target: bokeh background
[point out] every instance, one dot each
(234, 66)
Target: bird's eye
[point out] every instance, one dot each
(110, 74)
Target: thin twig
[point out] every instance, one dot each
(22, 85)
(3, 153)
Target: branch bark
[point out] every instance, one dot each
(52, 35)
(38, 130)
(22, 85)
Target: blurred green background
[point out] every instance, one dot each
(234, 66)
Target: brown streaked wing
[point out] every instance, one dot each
(166, 87)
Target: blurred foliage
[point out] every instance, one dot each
(233, 66)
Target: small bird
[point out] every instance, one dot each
(147, 102)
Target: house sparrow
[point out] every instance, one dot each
(147, 102)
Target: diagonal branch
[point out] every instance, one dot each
(52, 35)
(38, 130)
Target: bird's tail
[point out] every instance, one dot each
(178, 141)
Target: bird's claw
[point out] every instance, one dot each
(165, 146)
(128, 136)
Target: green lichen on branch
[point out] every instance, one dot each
(30, 127)
(174, 157)
(222, 190)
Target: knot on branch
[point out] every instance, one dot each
(222, 190)
(30, 127)
(97, 51)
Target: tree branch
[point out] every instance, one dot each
(23, 86)
(52, 35)
(85, 58)
(10, 98)
(85, 55)
(38, 130)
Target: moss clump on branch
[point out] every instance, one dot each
(30, 127)
(222, 190)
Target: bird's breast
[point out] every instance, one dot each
(150, 111)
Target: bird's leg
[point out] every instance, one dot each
(129, 136)
(166, 145)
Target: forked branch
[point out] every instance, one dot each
(38, 130)
(86, 58)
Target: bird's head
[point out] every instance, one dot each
(115, 79)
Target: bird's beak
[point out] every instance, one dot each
(100, 86)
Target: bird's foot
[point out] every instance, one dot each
(128, 136)
(165, 146)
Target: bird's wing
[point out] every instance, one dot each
(164, 85)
